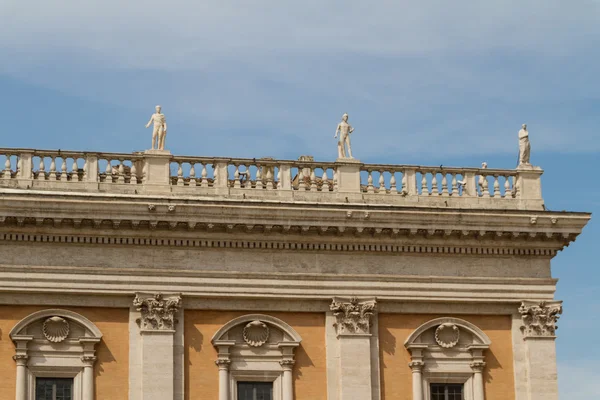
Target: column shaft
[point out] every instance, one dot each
(478, 386)
(223, 382)
(288, 386)
(21, 381)
(88, 382)
(417, 382)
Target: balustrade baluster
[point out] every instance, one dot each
(507, 188)
(74, 171)
(404, 183)
(236, 177)
(382, 189)
(52, 175)
(192, 181)
(279, 178)
(424, 188)
(85, 169)
(204, 175)
(324, 181)
(7, 168)
(134, 178)
(121, 172)
(258, 184)
(179, 174)
(393, 188)
(485, 186)
(370, 188)
(444, 184)
(269, 178)
(63, 169)
(454, 185)
(301, 182)
(313, 179)
(496, 189)
(42, 169)
(434, 183)
(108, 172)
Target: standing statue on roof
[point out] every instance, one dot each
(159, 131)
(524, 146)
(344, 129)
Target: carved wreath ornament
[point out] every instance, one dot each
(256, 333)
(353, 317)
(447, 335)
(157, 313)
(540, 319)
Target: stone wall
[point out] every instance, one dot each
(396, 376)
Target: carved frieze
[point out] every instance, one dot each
(539, 319)
(157, 312)
(353, 316)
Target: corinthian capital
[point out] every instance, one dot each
(157, 312)
(353, 315)
(539, 318)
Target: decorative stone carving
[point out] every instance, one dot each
(354, 316)
(344, 129)
(524, 146)
(89, 360)
(447, 335)
(539, 319)
(159, 131)
(55, 329)
(416, 366)
(477, 366)
(256, 333)
(157, 313)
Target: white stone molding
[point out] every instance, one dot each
(457, 357)
(55, 343)
(539, 318)
(241, 358)
(353, 316)
(157, 312)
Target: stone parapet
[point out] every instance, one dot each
(304, 180)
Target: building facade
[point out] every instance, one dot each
(149, 276)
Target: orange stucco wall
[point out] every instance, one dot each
(112, 365)
(202, 375)
(396, 376)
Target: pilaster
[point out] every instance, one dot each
(538, 329)
(355, 369)
(156, 350)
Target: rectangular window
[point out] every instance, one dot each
(255, 390)
(54, 389)
(444, 391)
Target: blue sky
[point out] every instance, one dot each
(429, 82)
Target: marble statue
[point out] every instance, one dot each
(344, 129)
(524, 146)
(159, 131)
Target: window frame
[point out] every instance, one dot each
(54, 377)
(464, 391)
(74, 373)
(256, 381)
(240, 375)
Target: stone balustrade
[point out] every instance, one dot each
(160, 173)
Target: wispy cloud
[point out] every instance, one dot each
(410, 74)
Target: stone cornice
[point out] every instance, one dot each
(85, 218)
